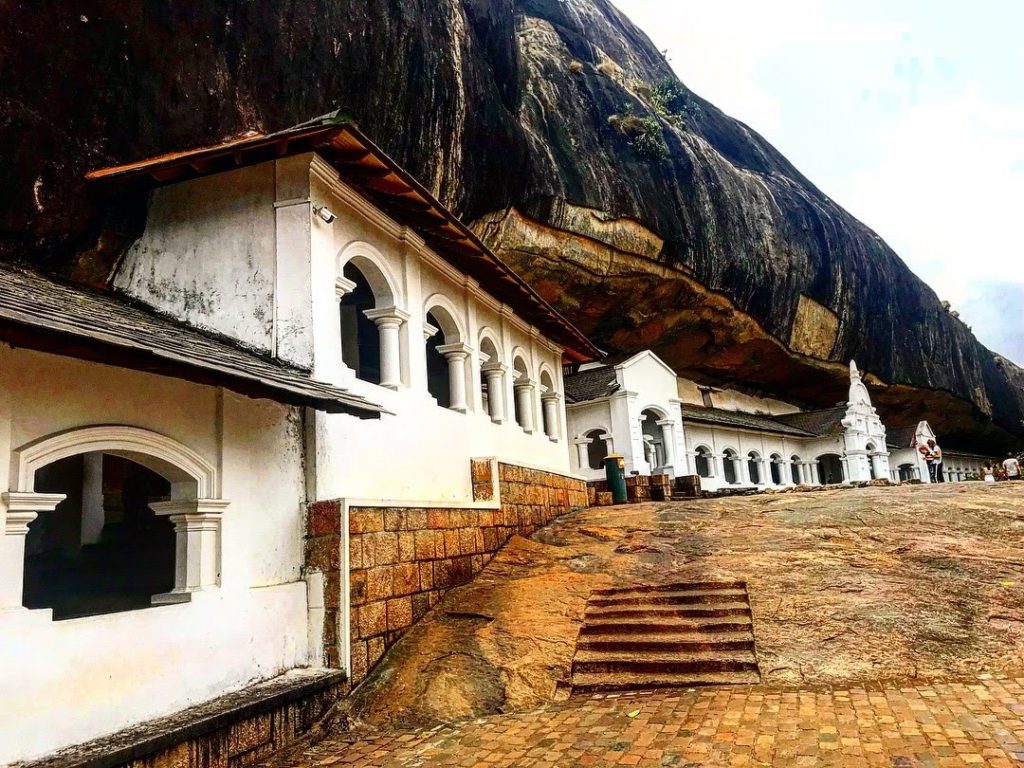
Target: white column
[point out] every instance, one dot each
(581, 444)
(456, 355)
(550, 404)
(389, 323)
(197, 526)
(494, 373)
(93, 515)
(668, 442)
(524, 398)
(22, 509)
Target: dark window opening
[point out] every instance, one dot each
(729, 468)
(703, 462)
(438, 381)
(597, 451)
(360, 339)
(795, 470)
(754, 468)
(776, 469)
(102, 550)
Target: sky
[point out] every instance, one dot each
(908, 113)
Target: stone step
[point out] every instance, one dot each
(687, 597)
(668, 625)
(666, 611)
(673, 587)
(721, 641)
(595, 683)
(662, 662)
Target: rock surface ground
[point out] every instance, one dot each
(888, 589)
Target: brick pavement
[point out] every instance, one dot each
(941, 724)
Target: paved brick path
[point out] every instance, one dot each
(942, 724)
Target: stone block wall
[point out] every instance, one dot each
(404, 559)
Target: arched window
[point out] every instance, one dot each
(523, 386)
(446, 358)
(654, 444)
(360, 339)
(795, 468)
(776, 469)
(906, 472)
(109, 519)
(102, 549)
(702, 461)
(370, 321)
(597, 450)
(754, 467)
(729, 466)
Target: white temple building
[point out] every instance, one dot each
(664, 424)
(305, 352)
(907, 461)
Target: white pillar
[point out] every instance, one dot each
(582, 456)
(456, 355)
(197, 525)
(389, 323)
(668, 442)
(93, 515)
(22, 509)
(524, 399)
(494, 373)
(549, 402)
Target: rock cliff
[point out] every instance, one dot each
(639, 209)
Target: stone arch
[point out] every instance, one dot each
(374, 267)
(521, 364)
(443, 310)
(446, 353)
(190, 504)
(547, 380)
(190, 475)
(490, 346)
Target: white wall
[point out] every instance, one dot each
(207, 254)
(645, 384)
(69, 681)
(720, 439)
(422, 451)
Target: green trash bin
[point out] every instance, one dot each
(615, 472)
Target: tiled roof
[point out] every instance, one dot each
(901, 437)
(827, 421)
(41, 314)
(365, 166)
(718, 416)
(590, 385)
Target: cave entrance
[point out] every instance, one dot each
(830, 469)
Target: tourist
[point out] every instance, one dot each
(936, 462)
(1012, 467)
(988, 474)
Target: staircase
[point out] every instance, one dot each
(666, 636)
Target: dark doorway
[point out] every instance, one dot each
(438, 381)
(830, 469)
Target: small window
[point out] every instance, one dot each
(360, 339)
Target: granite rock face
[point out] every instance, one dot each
(639, 209)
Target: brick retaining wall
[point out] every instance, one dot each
(403, 560)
